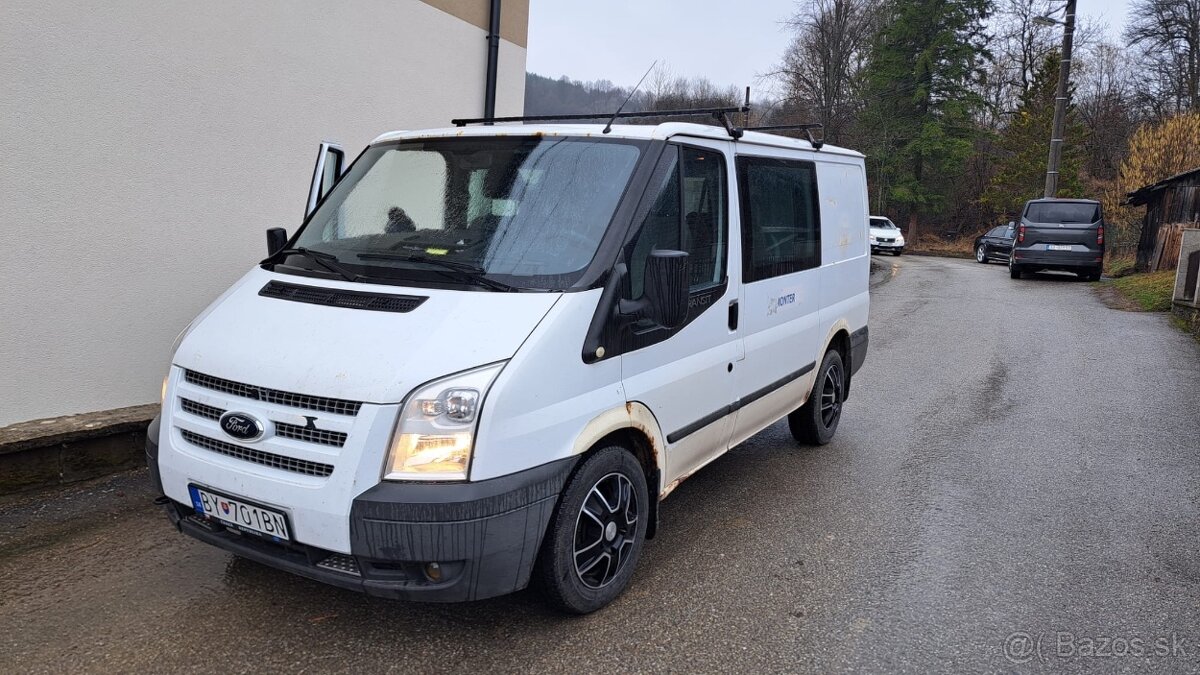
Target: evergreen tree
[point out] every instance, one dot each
(1024, 146)
(922, 102)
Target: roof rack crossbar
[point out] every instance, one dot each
(806, 128)
(691, 112)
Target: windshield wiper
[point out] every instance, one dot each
(326, 260)
(473, 273)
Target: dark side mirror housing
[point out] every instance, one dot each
(665, 290)
(276, 240)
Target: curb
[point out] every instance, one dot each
(63, 450)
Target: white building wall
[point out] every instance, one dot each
(146, 146)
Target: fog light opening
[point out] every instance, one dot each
(433, 571)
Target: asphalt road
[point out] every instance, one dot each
(1016, 460)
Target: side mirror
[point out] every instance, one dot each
(664, 290)
(276, 240)
(331, 162)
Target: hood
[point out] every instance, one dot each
(888, 233)
(355, 354)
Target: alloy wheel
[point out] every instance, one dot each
(831, 395)
(604, 530)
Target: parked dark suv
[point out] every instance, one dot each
(1059, 234)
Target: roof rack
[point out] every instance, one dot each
(720, 114)
(806, 128)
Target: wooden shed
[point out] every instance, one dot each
(1172, 205)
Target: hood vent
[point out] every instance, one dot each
(334, 297)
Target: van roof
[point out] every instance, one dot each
(634, 131)
(1062, 200)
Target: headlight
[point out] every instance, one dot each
(900, 239)
(162, 397)
(871, 238)
(435, 435)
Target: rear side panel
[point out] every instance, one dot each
(845, 256)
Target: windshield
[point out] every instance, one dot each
(882, 224)
(1079, 213)
(525, 211)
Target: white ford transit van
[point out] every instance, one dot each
(490, 351)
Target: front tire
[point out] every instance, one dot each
(596, 534)
(980, 255)
(815, 422)
(897, 252)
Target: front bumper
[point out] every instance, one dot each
(875, 248)
(484, 536)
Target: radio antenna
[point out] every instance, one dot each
(608, 127)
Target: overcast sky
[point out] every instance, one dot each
(729, 43)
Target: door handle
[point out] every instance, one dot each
(733, 315)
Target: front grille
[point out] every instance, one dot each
(310, 434)
(318, 403)
(887, 241)
(334, 297)
(200, 409)
(258, 456)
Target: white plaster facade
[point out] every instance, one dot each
(145, 148)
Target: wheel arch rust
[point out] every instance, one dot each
(634, 426)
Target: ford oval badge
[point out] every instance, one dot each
(241, 426)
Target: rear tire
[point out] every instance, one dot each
(596, 535)
(815, 422)
(1093, 275)
(1014, 271)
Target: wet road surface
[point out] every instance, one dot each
(1015, 460)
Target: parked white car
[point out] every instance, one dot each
(490, 351)
(885, 237)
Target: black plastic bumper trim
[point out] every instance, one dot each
(490, 531)
(485, 536)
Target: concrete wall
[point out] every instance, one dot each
(1189, 245)
(146, 146)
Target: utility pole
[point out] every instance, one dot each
(1060, 102)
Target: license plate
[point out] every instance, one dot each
(239, 513)
(1058, 247)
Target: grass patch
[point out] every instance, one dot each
(957, 247)
(1120, 266)
(1151, 292)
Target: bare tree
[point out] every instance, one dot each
(1167, 34)
(664, 90)
(1020, 44)
(1104, 102)
(820, 70)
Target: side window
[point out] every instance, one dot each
(781, 227)
(996, 232)
(686, 212)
